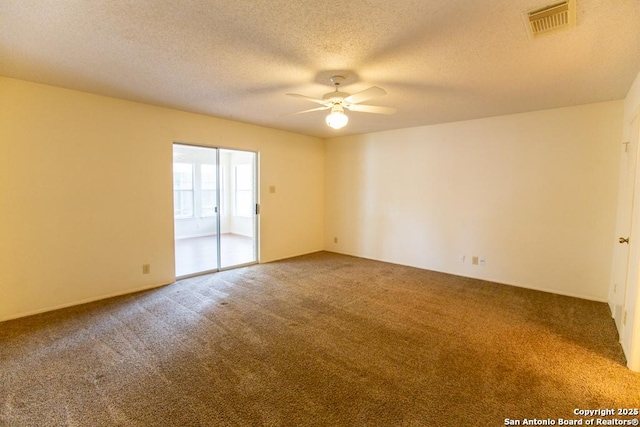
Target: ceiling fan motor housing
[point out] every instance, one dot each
(335, 96)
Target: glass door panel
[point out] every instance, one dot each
(195, 209)
(238, 218)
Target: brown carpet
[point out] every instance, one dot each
(318, 340)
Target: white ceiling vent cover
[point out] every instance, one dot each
(559, 16)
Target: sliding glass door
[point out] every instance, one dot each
(215, 208)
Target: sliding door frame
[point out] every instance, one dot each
(256, 202)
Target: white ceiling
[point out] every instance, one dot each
(439, 60)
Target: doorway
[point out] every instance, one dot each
(623, 228)
(215, 209)
(624, 291)
(629, 334)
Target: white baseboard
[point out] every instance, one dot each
(486, 279)
(83, 301)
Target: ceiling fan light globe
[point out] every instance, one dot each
(337, 120)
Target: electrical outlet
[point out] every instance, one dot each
(335, 240)
(474, 260)
(482, 262)
(146, 268)
(272, 189)
(461, 257)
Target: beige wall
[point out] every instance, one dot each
(86, 193)
(631, 103)
(534, 194)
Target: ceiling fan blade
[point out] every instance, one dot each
(372, 109)
(307, 111)
(372, 92)
(308, 98)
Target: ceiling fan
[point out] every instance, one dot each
(337, 101)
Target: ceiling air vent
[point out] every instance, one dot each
(559, 16)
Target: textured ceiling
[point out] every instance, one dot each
(439, 60)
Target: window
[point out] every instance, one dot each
(182, 190)
(208, 189)
(244, 185)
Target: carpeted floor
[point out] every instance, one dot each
(318, 340)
